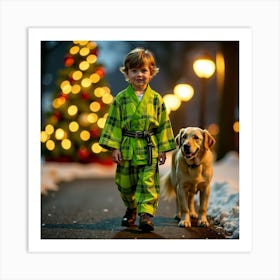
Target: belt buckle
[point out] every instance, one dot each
(139, 134)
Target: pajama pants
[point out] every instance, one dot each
(139, 186)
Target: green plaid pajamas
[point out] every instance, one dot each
(138, 183)
(139, 186)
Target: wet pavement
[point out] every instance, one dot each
(92, 209)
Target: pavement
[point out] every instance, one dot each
(92, 209)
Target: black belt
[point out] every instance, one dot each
(144, 135)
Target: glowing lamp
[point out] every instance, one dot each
(204, 67)
(184, 92)
(172, 102)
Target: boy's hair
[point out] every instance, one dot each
(137, 58)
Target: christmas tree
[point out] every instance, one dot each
(80, 104)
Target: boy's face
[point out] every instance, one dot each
(139, 77)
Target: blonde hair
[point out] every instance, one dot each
(137, 58)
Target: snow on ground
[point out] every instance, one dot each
(224, 198)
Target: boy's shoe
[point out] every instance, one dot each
(129, 218)
(146, 223)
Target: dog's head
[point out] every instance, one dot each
(193, 141)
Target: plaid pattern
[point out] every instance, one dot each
(138, 182)
(139, 186)
(127, 112)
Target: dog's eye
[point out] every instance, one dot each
(195, 137)
(184, 136)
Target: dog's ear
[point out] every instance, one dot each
(178, 137)
(209, 140)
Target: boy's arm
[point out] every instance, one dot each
(111, 135)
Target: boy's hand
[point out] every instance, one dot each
(116, 156)
(161, 158)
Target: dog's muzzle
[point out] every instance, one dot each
(186, 149)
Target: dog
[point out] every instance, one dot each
(191, 172)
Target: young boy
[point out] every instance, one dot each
(139, 133)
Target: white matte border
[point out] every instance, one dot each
(243, 35)
(262, 16)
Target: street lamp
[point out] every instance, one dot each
(172, 102)
(204, 68)
(184, 92)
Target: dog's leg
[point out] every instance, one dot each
(193, 213)
(203, 197)
(183, 206)
(177, 216)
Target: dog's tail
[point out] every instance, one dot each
(167, 190)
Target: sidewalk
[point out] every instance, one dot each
(92, 209)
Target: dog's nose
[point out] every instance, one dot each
(186, 148)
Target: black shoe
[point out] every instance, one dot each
(129, 218)
(146, 223)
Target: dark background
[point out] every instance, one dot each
(175, 61)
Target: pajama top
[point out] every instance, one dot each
(128, 113)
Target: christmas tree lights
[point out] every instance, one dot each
(79, 109)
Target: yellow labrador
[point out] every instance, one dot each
(191, 171)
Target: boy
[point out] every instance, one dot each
(139, 133)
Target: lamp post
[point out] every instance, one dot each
(204, 68)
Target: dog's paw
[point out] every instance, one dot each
(194, 215)
(203, 223)
(184, 223)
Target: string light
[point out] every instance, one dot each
(101, 123)
(81, 43)
(84, 65)
(107, 98)
(73, 126)
(96, 148)
(91, 45)
(57, 102)
(94, 106)
(84, 135)
(94, 78)
(84, 51)
(99, 92)
(44, 136)
(86, 82)
(91, 58)
(59, 134)
(74, 50)
(72, 110)
(65, 87)
(66, 144)
(50, 145)
(49, 129)
(76, 89)
(92, 118)
(77, 75)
